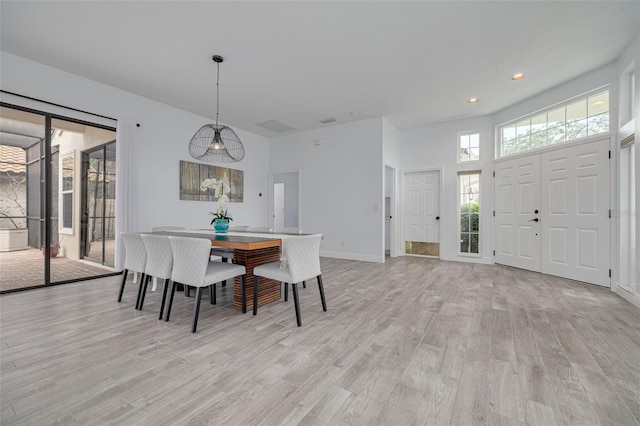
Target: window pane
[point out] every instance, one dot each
(556, 134)
(577, 129)
(577, 111)
(474, 220)
(474, 153)
(464, 243)
(598, 104)
(464, 154)
(539, 123)
(523, 128)
(539, 139)
(474, 246)
(599, 124)
(556, 117)
(464, 141)
(508, 133)
(464, 222)
(474, 140)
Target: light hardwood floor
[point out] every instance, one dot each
(411, 341)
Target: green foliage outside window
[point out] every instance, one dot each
(469, 228)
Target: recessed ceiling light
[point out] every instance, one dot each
(473, 100)
(517, 76)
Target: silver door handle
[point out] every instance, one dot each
(533, 220)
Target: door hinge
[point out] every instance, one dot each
(494, 252)
(609, 273)
(609, 154)
(494, 213)
(609, 213)
(494, 174)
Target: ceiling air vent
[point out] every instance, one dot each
(328, 120)
(275, 126)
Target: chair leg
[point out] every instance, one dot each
(286, 292)
(255, 295)
(144, 291)
(142, 278)
(212, 294)
(173, 292)
(294, 287)
(164, 297)
(243, 292)
(124, 278)
(187, 290)
(224, 260)
(304, 284)
(324, 303)
(196, 311)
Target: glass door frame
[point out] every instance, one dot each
(47, 188)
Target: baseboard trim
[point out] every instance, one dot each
(634, 299)
(481, 260)
(352, 256)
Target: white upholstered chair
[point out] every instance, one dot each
(159, 264)
(135, 260)
(288, 230)
(260, 229)
(191, 267)
(301, 261)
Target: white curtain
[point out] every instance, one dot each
(125, 211)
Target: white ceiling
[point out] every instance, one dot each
(416, 63)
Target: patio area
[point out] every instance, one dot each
(25, 268)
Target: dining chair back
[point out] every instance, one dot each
(159, 264)
(135, 260)
(191, 267)
(167, 228)
(288, 230)
(260, 229)
(300, 261)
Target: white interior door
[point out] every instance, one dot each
(552, 212)
(517, 222)
(422, 217)
(278, 205)
(575, 221)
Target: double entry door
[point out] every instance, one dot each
(552, 212)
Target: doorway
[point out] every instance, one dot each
(552, 212)
(99, 205)
(40, 197)
(422, 213)
(286, 201)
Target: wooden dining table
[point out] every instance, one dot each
(250, 250)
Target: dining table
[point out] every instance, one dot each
(250, 250)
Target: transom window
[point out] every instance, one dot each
(573, 120)
(468, 147)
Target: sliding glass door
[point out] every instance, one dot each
(99, 204)
(42, 238)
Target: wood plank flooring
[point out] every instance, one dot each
(409, 342)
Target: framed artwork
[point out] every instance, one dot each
(217, 181)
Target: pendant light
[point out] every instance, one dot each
(215, 143)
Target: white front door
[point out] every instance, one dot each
(575, 222)
(517, 189)
(422, 218)
(552, 212)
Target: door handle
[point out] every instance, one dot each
(534, 220)
(437, 217)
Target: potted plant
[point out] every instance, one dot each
(54, 248)
(221, 217)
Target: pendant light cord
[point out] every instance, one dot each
(217, 95)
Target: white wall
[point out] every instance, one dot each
(629, 55)
(435, 147)
(161, 142)
(341, 185)
(391, 138)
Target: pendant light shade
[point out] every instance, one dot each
(213, 142)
